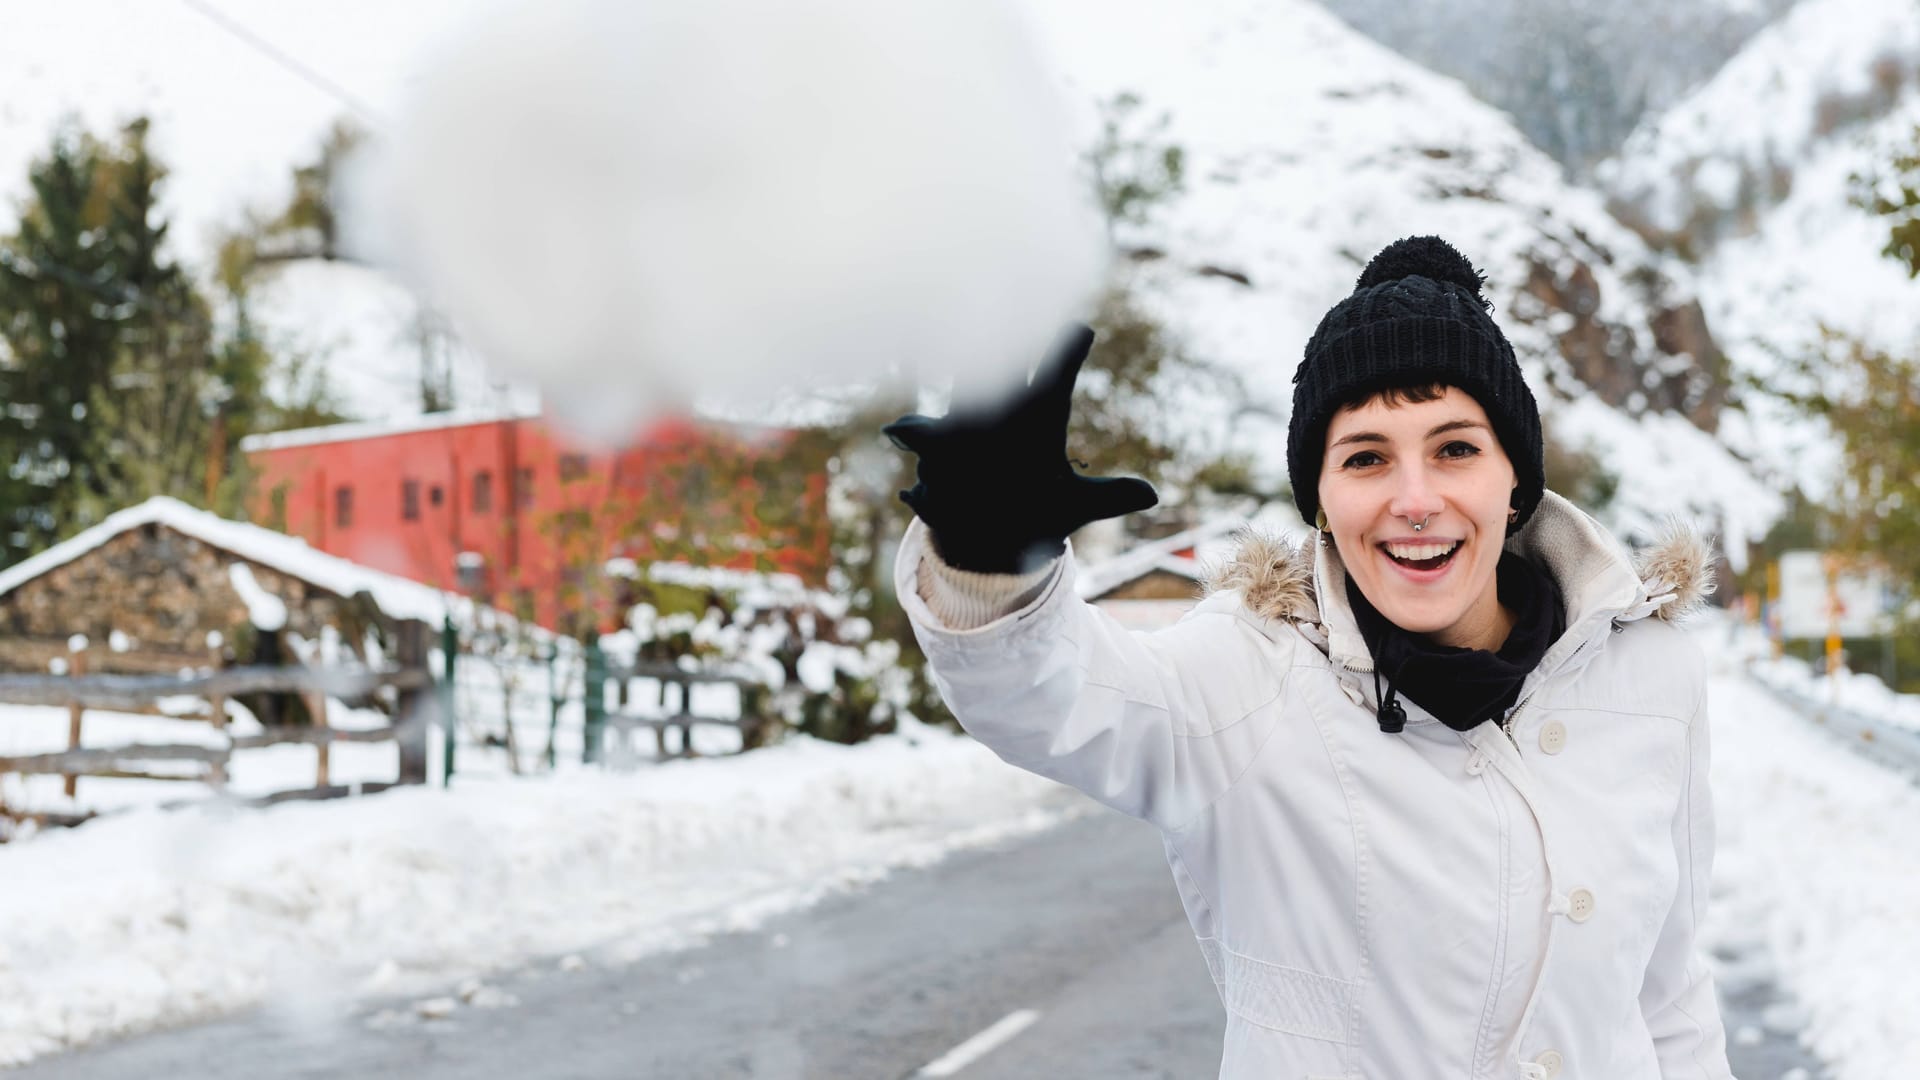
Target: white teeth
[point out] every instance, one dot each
(1420, 551)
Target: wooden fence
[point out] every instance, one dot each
(140, 695)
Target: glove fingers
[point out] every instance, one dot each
(914, 433)
(1050, 396)
(1096, 498)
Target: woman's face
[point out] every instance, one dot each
(1389, 466)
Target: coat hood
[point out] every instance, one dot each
(1275, 579)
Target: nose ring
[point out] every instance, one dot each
(1422, 524)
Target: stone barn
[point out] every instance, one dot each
(162, 586)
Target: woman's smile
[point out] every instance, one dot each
(1422, 560)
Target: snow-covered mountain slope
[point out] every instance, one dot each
(1811, 82)
(1310, 147)
(1755, 174)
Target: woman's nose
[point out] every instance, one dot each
(1414, 497)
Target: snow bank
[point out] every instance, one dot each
(1817, 866)
(156, 918)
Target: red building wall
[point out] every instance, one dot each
(534, 507)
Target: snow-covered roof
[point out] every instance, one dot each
(1187, 553)
(367, 429)
(397, 596)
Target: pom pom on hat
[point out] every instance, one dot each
(1423, 256)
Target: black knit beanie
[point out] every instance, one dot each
(1416, 318)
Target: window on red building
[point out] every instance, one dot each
(572, 467)
(523, 488)
(435, 496)
(342, 507)
(410, 500)
(482, 492)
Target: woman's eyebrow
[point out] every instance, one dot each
(1456, 425)
(1441, 429)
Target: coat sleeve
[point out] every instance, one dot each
(1156, 725)
(1678, 998)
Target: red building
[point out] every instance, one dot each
(508, 509)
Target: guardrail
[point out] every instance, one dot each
(1885, 742)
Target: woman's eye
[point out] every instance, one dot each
(1362, 459)
(1459, 450)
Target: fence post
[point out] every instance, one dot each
(410, 718)
(76, 667)
(596, 701)
(553, 701)
(449, 648)
(323, 757)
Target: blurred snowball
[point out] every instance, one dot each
(640, 203)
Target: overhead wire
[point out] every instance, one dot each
(240, 32)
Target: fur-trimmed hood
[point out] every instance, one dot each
(1275, 578)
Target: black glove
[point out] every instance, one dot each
(996, 489)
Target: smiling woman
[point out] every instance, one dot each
(1502, 877)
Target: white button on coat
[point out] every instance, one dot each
(1580, 905)
(1553, 736)
(1550, 1061)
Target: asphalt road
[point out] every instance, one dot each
(1068, 947)
(1080, 924)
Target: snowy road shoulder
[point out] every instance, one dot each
(158, 918)
(1818, 868)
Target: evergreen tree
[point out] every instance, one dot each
(115, 385)
(62, 309)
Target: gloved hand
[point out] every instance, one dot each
(995, 487)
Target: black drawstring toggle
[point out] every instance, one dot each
(1393, 718)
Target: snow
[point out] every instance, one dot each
(1773, 278)
(30, 729)
(265, 610)
(168, 918)
(1310, 147)
(366, 429)
(798, 200)
(1213, 540)
(1852, 691)
(1764, 107)
(171, 917)
(1817, 866)
(398, 597)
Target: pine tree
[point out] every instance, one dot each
(153, 422)
(61, 309)
(116, 387)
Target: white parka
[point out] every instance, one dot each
(1427, 904)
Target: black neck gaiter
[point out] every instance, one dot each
(1464, 688)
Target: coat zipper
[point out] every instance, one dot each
(1514, 713)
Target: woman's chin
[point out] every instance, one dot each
(1419, 617)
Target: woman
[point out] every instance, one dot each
(1433, 787)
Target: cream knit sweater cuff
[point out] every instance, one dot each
(965, 600)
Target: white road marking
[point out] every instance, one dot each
(980, 1045)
